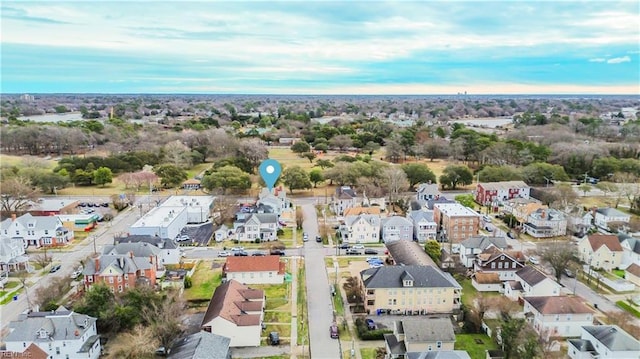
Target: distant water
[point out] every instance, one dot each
(53, 117)
(486, 122)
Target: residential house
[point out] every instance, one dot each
(258, 227)
(579, 221)
(254, 270)
(631, 249)
(604, 342)
(521, 208)
(471, 247)
(425, 227)
(169, 251)
(236, 312)
(79, 222)
(60, 333)
(408, 253)
(222, 233)
(31, 352)
(427, 192)
(120, 272)
(356, 211)
(276, 199)
(12, 254)
(455, 221)
(494, 193)
(442, 354)
(531, 282)
(191, 184)
(419, 336)
(201, 345)
(557, 316)
(53, 206)
(601, 251)
(487, 282)
(605, 216)
(364, 228)
(411, 289)
(345, 197)
(632, 274)
(143, 250)
(505, 263)
(397, 228)
(37, 231)
(545, 222)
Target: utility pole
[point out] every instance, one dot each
(94, 245)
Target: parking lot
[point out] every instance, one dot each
(199, 235)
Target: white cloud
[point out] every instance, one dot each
(598, 59)
(619, 60)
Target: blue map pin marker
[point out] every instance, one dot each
(270, 171)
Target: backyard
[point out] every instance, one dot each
(475, 344)
(204, 281)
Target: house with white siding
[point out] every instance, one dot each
(37, 231)
(397, 228)
(364, 228)
(604, 216)
(604, 342)
(470, 248)
(262, 227)
(425, 227)
(557, 316)
(12, 254)
(254, 269)
(345, 197)
(531, 282)
(601, 251)
(630, 249)
(545, 222)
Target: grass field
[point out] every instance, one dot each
(205, 280)
(471, 344)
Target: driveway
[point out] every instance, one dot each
(319, 304)
(200, 234)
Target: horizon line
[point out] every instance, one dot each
(320, 94)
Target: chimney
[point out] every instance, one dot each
(151, 259)
(13, 217)
(96, 262)
(130, 254)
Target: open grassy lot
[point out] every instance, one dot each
(475, 344)
(368, 353)
(205, 280)
(469, 293)
(303, 315)
(342, 262)
(23, 161)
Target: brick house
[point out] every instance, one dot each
(494, 193)
(120, 272)
(455, 221)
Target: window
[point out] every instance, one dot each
(513, 264)
(499, 265)
(90, 279)
(438, 345)
(46, 232)
(493, 265)
(430, 348)
(57, 350)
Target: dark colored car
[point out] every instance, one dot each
(370, 251)
(344, 246)
(55, 268)
(371, 325)
(274, 338)
(258, 254)
(318, 239)
(241, 254)
(333, 331)
(277, 252)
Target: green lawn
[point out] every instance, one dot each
(10, 297)
(302, 305)
(338, 304)
(343, 262)
(468, 343)
(278, 316)
(627, 307)
(368, 353)
(618, 273)
(205, 280)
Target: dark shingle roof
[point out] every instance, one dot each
(558, 305)
(201, 345)
(409, 253)
(428, 330)
(395, 346)
(483, 242)
(613, 337)
(423, 277)
(230, 301)
(582, 345)
(531, 275)
(439, 354)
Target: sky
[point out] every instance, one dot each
(320, 47)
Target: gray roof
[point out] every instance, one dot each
(531, 275)
(139, 249)
(428, 188)
(409, 253)
(122, 261)
(634, 243)
(582, 345)
(163, 243)
(59, 325)
(417, 216)
(397, 221)
(372, 219)
(613, 337)
(201, 345)
(265, 217)
(423, 277)
(483, 242)
(428, 330)
(40, 222)
(439, 354)
(395, 346)
(611, 212)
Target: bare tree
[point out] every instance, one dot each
(565, 196)
(224, 210)
(138, 343)
(395, 180)
(559, 255)
(17, 192)
(163, 319)
(48, 297)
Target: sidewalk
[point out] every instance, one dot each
(294, 308)
(355, 343)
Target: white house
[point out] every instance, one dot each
(487, 282)
(604, 342)
(470, 248)
(236, 312)
(604, 216)
(396, 228)
(168, 250)
(258, 226)
(12, 253)
(37, 230)
(530, 282)
(344, 198)
(163, 222)
(546, 222)
(364, 228)
(630, 250)
(62, 334)
(601, 251)
(254, 270)
(424, 226)
(427, 192)
(276, 199)
(557, 316)
(222, 233)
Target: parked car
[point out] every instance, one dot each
(371, 325)
(358, 246)
(333, 331)
(258, 254)
(305, 237)
(277, 252)
(75, 274)
(373, 259)
(534, 260)
(370, 251)
(318, 239)
(353, 252)
(237, 249)
(569, 273)
(55, 268)
(274, 338)
(240, 254)
(223, 254)
(511, 235)
(344, 246)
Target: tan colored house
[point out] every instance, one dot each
(254, 269)
(236, 312)
(601, 251)
(632, 274)
(455, 221)
(521, 208)
(409, 290)
(419, 336)
(557, 316)
(356, 211)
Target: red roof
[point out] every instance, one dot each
(608, 240)
(254, 264)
